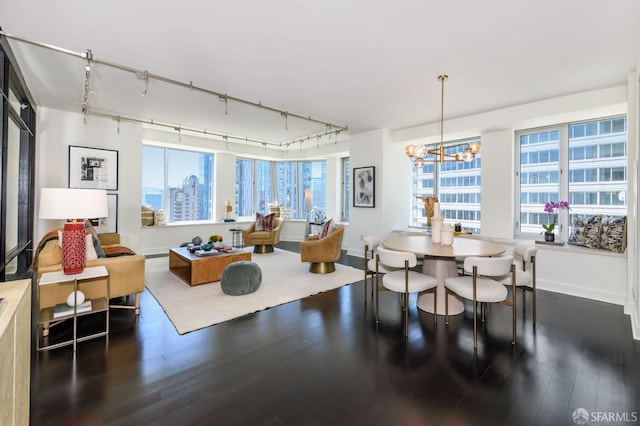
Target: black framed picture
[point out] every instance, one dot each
(93, 168)
(364, 186)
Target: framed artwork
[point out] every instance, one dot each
(364, 186)
(110, 223)
(93, 168)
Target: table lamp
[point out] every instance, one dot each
(74, 205)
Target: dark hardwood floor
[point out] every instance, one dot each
(323, 361)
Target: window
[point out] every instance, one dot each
(264, 185)
(346, 189)
(244, 188)
(596, 165)
(179, 182)
(280, 183)
(457, 185)
(287, 186)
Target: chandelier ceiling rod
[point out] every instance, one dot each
(442, 79)
(147, 75)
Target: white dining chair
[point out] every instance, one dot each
(481, 287)
(371, 269)
(460, 260)
(403, 280)
(419, 259)
(525, 255)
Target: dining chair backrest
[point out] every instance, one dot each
(396, 259)
(372, 241)
(475, 237)
(409, 233)
(525, 251)
(489, 266)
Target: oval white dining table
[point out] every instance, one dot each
(440, 262)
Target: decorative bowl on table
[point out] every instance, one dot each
(206, 247)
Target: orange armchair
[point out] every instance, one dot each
(322, 254)
(262, 241)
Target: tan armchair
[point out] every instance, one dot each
(322, 254)
(262, 240)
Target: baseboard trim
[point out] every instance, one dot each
(587, 293)
(632, 310)
(635, 326)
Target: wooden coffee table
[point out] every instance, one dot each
(196, 270)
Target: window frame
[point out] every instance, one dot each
(346, 189)
(166, 190)
(296, 201)
(566, 156)
(449, 180)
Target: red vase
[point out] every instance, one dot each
(73, 248)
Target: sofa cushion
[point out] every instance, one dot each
(586, 232)
(613, 233)
(265, 222)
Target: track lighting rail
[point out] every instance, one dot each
(331, 128)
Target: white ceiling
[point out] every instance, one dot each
(363, 63)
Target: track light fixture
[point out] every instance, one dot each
(145, 77)
(87, 85)
(419, 154)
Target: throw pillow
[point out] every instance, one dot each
(586, 232)
(159, 218)
(327, 228)
(94, 236)
(97, 245)
(90, 251)
(146, 216)
(265, 222)
(613, 234)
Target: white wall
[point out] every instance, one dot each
(56, 130)
(632, 305)
(497, 189)
(366, 149)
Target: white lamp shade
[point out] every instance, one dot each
(73, 203)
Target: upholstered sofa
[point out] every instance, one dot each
(322, 253)
(263, 241)
(126, 270)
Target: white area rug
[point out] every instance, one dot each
(284, 279)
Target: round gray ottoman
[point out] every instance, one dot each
(240, 278)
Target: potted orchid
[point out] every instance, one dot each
(551, 208)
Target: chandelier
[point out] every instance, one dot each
(419, 154)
